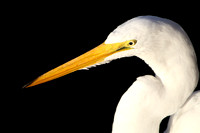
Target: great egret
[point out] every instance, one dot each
(167, 49)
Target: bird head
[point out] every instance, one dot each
(138, 36)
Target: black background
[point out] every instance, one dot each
(40, 36)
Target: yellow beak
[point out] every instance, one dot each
(91, 57)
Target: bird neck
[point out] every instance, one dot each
(179, 75)
(150, 99)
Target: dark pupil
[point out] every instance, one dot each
(130, 43)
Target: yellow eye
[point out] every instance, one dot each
(132, 42)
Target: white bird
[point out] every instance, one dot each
(167, 49)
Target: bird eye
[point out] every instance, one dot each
(133, 42)
(130, 43)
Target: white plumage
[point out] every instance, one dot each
(167, 49)
(187, 118)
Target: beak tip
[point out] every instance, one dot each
(26, 85)
(30, 84)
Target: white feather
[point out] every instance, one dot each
(167, 49)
